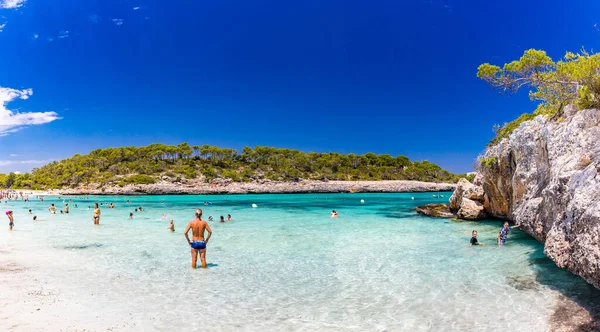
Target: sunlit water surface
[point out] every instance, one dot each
(287, 266)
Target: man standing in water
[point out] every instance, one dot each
(198, 243)
(11, 220)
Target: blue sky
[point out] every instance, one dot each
(394, 77)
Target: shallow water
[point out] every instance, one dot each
(287, 266)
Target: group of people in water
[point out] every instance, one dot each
(198, 227)
(96, 212)
(201, 231)
(502, 235)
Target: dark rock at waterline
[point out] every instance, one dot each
(435, 210)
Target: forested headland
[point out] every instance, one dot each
(156, 162)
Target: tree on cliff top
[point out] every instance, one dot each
(575, 79)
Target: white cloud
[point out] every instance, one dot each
(12, 121)
(63, 34)
(36, 36)
(11, 4)
(50, 39)
(13, 155)
(118, 21)
(17, 172)
(2, 26)
(24, 162)
(136, 8)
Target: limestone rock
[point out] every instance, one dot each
(474, 193)
(470, 210)
(435, 210)
(545, 177)
(467, 201)
(456, 198)
(227, 186)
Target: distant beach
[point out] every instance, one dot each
(262, 187)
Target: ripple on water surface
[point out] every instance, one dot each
(287, 266)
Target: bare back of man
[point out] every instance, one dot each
(198, 243)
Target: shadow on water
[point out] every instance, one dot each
(578, 307)
(85, 246)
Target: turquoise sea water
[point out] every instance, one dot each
(286, 266)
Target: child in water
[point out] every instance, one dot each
(222, 219)
(474, 241)
(210, 218)
(172, 226)
(503, 234)
(130, 215)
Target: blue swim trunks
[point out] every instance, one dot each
(198, 245)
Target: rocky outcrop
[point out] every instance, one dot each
(226, 186)
(467, 201)
(545, 176)
(435, 210)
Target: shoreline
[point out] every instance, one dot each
(263, 187)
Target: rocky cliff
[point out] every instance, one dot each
(545, 177)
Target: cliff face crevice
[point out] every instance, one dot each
(545, 176)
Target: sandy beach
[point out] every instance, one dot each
(32, 299)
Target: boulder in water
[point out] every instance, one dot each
(435, 210)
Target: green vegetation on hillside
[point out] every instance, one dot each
(149, 164)
(573, 80)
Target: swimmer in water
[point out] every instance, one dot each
(164, 216)
(172, 226)
(112, 206)
(474, 241)
(130, 215)
(503, 234)
(29, 211)
(52, 208)
(96, 214)
(11, 221)
(229, 217)
(222, 219)
(198, 243)
(34, 218)
(140, 208)
(67, 208)
(210, 218)
(334, 214)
